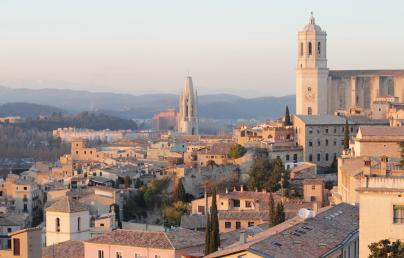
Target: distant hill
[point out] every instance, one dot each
(216, 106)
(28, 110)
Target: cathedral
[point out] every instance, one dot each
(322, 91)
(188, 115)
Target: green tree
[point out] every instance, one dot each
(214, 231)
(384, 248)
(271, 204)
(346, 135)
(333, 168)
(259, 173)
(280, 213)
(237, 151)
(179, 192)
(287, 116)
(126, 181)
(402, 154)
(210, 163)
(208, 230)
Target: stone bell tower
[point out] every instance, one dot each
(311, 71)
(188, 116)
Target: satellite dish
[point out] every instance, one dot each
(306, 213)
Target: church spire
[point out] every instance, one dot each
(312, 19)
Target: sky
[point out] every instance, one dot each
(242, 47)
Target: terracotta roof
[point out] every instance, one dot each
(67, 205)
(177, 239)
(64, 249)
(382, 131)
(312, 237)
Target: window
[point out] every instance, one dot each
(326, 142)
(100, 254)
(335, 143)
(310, 143)
(287, 157)
(25, 188)
(313, 187)
(310, 49)
(311, 157)
(319, 48)
(16, 246)
(326, 157)
(9, 230)
(57, 225)
(318, 143)
(326, 130)
(78, 224)
(227, 224)
(309, 89)
(398, 214)
(138, 256)
(318, 157)
(295, 158)
(251, 223)
(238, 225)
(248, 204)
(309, 111)
(301, 49)
(25, 207)
(118, 255)
(236, 203)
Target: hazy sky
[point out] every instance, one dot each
(245, 47)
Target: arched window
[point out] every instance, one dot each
(295, 158)
(301, 49)
(318, 157)
(57, 224)
(309, 111)
(310, 157)
(319, 48)
(308, 89)
(310, 49)
(78, 224)
(326, 156)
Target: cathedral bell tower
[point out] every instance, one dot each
(311, 71)
(188, 115)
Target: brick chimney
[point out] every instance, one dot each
(366, 166)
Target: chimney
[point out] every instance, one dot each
(366, 166)
(383, 165)
(242, 188)
(243, 236)
(315, 207)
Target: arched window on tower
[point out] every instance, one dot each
(57, 225)
(310, 49)
(301, 49)
(319, 48)
(78, 224)
(309, 111)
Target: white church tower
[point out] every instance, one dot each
(188, 116)
(311, 71)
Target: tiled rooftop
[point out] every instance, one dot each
(64, 249)
(67, 205)
(178, 239)
(312, 237)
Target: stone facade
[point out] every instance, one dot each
(321, 91)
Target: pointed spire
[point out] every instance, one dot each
(312, 19)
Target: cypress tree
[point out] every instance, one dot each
(280, 213)
(214, 221)
(179, 193)
(207, 234)
(287, 116)
(271, 214)
(346, 135)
